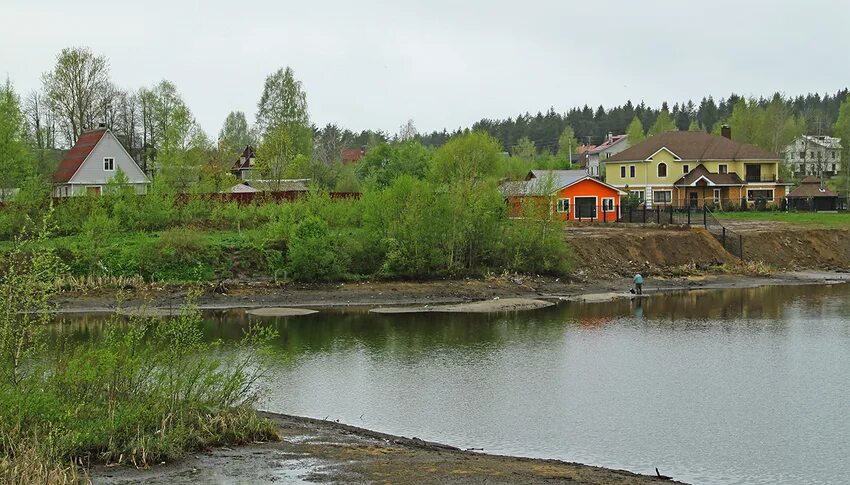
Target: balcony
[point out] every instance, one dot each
(758, 178)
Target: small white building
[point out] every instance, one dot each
(612, 145)
(92, 163)
(817, 155)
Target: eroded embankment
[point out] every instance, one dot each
(624, 250)
(799, 248)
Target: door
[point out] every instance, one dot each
(93, 190)
(693, 198)
(585, 208)
(753, 173)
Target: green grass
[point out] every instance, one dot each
(814, 219)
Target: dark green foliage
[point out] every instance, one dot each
(312, 254)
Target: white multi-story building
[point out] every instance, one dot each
(816, 155)
(612, 145)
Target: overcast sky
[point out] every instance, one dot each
(375, 64)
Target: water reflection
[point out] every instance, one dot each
(728, 386)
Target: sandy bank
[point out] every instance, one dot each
(313, 450)
(484, 306)
(280, 312)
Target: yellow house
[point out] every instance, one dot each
(693, 168)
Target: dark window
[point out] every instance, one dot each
(754, 194)
(662, 169)
(685, 169)
(722, 169)
(623, 171)
(662, 196)
(632, 171)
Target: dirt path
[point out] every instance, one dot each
(315, 451)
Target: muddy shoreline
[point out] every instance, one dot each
(317, 451)
(253, 295)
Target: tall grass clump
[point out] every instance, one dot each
(148, 391)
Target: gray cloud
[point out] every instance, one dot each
(374, 64)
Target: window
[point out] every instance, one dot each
(685, 169)
(803, 155)
(641, 195)
(833, 155)
(662, 170)
(623, 171)
(722, 168)
(662, 196)
(756, 194)
(109, 164)
(632, 171)
(716, 195)
(811, 154)
(608, 204)
(563, 205)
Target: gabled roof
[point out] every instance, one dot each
(701, 173)
(809, 188)
(540, 182)
(608, 143)
(244, 162)
(694, 145)
(75, 157)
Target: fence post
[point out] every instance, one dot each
(704, 217)
(741, 246)
(671, 216)
(723, 240)
(644, 213)
(689, 217)
(658, 215)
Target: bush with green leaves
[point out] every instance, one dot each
(312, 252)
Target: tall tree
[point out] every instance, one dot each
(635, 131)
(235, 135)
(524, 149)
(284, 153)
(662, 124)
(79, 90)
(14, 163)
(283, 102)
(567, 142)
(407, 131)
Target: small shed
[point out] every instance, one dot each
(812, 194)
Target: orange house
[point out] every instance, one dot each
(572, 195)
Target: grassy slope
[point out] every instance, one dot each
(800, 218)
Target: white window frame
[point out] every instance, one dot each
(112, 164)
(608, 204)
(723, 168)
(753, 199)
(658, 170)
(716, 194)
(563, 206)
(641, 194)
(662, 191)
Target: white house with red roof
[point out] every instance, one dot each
(92, 163)
(612, 145)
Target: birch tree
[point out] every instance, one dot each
(78, 89)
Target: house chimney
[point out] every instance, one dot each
(610, 136)
(726, 131)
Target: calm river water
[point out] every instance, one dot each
(714, 387)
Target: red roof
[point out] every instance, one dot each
(77, 155)
(350, 155)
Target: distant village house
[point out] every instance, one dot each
(597, 155)
(814, 155)
(93, 162)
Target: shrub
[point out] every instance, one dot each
(312, 255)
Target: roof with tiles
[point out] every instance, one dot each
(694, 145)
(75, 157)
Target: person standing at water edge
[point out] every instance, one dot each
(638, 284)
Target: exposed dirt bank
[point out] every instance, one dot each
(485, 306)
(374, 294)
(321, 451)
(797, 248)
(625, 249)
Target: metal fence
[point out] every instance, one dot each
(731, 241)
